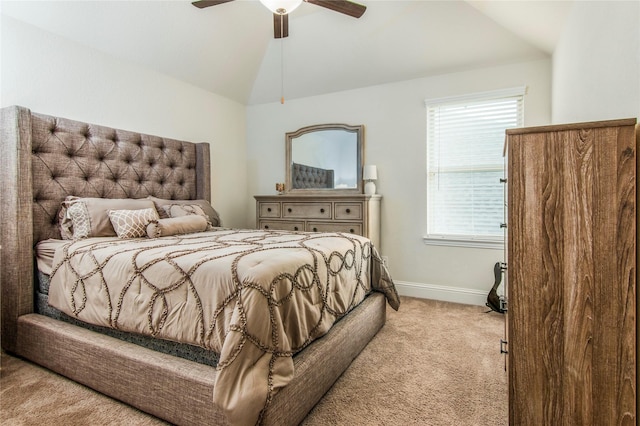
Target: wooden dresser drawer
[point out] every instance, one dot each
(306, 210)
(352, 228)
(269, 209)
(358, 214)
(273, 225)
(348, 211)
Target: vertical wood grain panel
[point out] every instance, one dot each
(552, 326)
(525, 230)
(515, 219)
(606, 300)
(626, 350)
(572, 274)
(578, 270)
(634, 384)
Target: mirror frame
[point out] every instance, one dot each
(358, 130)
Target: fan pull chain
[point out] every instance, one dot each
(282, 59)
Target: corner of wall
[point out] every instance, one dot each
(596, 64)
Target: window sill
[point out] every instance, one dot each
(468, 242)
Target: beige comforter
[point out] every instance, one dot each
(255, 297)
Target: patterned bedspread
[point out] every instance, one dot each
(255, 297)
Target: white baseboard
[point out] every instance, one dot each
(466, 296)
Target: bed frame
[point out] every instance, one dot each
(42, 160)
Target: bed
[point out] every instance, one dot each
(97, 162)
(304, 176)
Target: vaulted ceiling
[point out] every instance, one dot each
(229, 49)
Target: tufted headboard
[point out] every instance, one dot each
(43, 159)
(304, 176)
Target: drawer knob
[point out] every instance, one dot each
(295, 228)
(321, 210)
(268, 209)
(348, 210)
(289, 210)
(351, 230)
(315, 229)
(266, 227)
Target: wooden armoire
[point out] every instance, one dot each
(571, 274)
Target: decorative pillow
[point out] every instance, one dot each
(89, 217)
(132, 223)
(210, 212)
(79, 215)
(181, 210)
(177, 226)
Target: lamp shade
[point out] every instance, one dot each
(370, 172)
(281, 7)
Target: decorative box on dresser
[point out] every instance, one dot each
(572, 273)
(354, 213)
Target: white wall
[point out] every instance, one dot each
(55, 76)
(395, 132)
(51, 75)
(596, 64)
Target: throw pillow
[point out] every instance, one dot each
(132, 223)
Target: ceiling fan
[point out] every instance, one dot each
(282, 8)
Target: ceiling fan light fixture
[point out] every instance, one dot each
(281, 7)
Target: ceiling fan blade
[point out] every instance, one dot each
(280, 25)
(206, 3)
(343, 6)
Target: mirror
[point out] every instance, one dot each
(325, 157)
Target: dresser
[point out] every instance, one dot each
(572, 273)
(355, 213)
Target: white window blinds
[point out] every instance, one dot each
(465, 139)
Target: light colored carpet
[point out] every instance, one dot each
(433, 363)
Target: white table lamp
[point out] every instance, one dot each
(369, 175)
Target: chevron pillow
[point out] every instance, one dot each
(132, 223)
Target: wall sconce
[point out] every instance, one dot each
(369, 175)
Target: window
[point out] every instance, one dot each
(465, 142)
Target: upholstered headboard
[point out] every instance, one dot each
(304, 176)
(45, 158)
